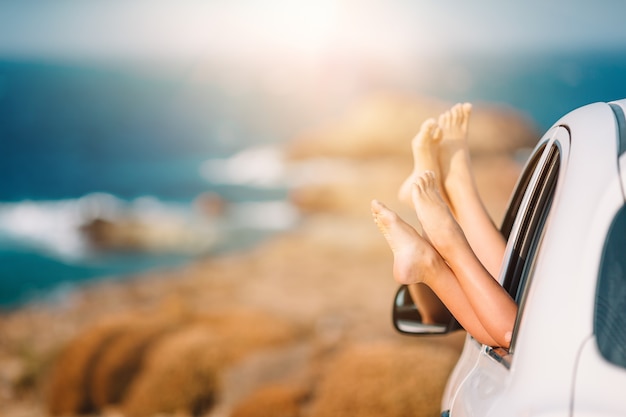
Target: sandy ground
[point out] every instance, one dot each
(297, 326)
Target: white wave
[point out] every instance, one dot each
(54, 227)
(261, 166)
(270, 215)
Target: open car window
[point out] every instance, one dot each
(519, 191)
(524, 222)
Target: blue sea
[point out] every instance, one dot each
(80, 142)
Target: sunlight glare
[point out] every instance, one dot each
(305, 27)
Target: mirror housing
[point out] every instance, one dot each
(408, 320)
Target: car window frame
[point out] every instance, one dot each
(539, 217)
(524, 224)
(533, 221)
(520, 190)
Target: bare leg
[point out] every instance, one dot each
(413, 258)
(416, 262)
(424, 145)
(462, 193)
(425, 158)
(491, 303)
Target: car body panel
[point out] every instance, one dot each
(464, 366)
(482, 388)
(553, 339)
(468, 364)
(599, 384)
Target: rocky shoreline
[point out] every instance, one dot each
(297, 326)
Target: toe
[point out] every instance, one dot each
(444, 120)
(437, 134)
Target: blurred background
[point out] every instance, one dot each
(140, 136)
(146, 118)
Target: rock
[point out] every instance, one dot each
(192, 358)
(384, 379)
(276, 400)
(383, 125)
(68, 386)
(135, 235)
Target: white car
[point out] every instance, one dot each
(565, 266)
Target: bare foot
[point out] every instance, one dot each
(438, 223)
(454, 158)
(425, 157)
(414, 260)
(491, 304)
(460, 186)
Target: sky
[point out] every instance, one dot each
(315, 55)
(250, 29)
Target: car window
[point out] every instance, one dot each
(518, 193)
(532, 225)
(531, 220)
(610, 306)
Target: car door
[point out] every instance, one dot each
(522, 226)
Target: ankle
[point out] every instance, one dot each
(431, 265)
(449, 240)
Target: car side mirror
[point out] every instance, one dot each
(408, 320)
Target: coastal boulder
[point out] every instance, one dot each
(383, 125)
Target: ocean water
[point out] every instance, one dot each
(80, 142)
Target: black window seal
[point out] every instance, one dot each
(518, 257)
(539, 216)
(520, 190)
